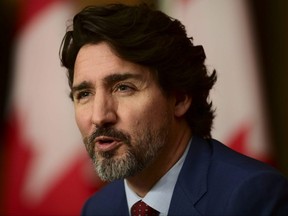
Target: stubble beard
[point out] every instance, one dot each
(138, 155)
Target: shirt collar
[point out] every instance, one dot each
(159, 197)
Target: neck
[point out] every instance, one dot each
(166, 159)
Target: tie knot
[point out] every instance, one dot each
(140, 208)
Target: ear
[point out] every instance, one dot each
(182, 104)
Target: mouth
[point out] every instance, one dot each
(104, 143)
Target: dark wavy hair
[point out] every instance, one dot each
(152, 39)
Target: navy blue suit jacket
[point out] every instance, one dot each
(214, 180)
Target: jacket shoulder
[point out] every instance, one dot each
(241, 184)
(229, 160)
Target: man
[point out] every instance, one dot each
(140, 90)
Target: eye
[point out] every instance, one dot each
(81, 95)
(124, 88)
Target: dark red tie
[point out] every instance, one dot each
(142, 209)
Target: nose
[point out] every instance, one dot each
(104, 110)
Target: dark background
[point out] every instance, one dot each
(8, 10)
(271, 31)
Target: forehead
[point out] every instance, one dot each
(96, 61)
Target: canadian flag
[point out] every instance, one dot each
(46, 171)
(224, 28)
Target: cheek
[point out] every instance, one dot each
(146, 113)
(82, 121)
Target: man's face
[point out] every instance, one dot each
(122, 114)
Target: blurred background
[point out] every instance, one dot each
(44, 167)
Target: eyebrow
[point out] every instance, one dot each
(114, 78)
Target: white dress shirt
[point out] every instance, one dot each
(159, 197)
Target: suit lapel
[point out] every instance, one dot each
(192, 181)
(123, 207)
(119, 198)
